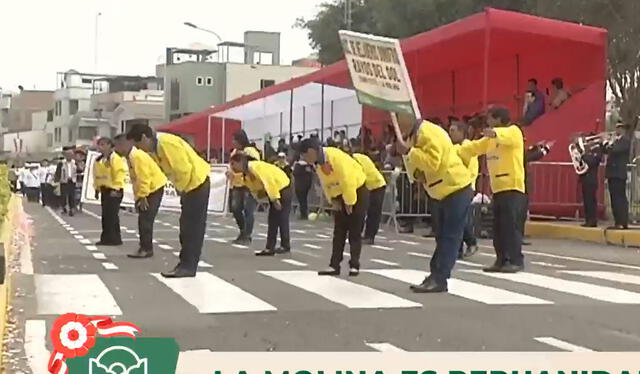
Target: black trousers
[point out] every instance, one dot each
(590, 203)
(508, 207)
(44, 194)
(68, 192)
(279, 221)
(193, 225)
(302, 194)
(110, 216)
(374, 212)
(619, 202)
(349, 226)
(146, 218)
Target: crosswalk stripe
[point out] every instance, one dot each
(565, 346)
(383, 262)
(592, 291)
(349, 294)
(312, 246)
(468, 290)
(210, 294)
(89, 295)
(323, 236)
(607, 275)
(384, 347)
(415, 254)
(165, 247)
(548, 265)
(109, 266)
(382, 247)
(99, 256)
(294, 262)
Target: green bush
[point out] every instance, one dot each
(5, 191)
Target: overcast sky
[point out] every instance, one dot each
(40, 37)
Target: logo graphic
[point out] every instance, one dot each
(118, 360)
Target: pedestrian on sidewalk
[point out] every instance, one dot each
(67, 176)
(343, 181)
(30, 179)
(109, 173)
(267, 180)
(45, 175)
(377, 185)
(189, 174)
(148, 188)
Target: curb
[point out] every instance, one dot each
(554, 230)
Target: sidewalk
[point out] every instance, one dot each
(573, 231)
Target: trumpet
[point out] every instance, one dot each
(579, 146)
(603, 138)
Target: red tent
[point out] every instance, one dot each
(484, 59)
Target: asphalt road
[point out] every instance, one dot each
(573, 296)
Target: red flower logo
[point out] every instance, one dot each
(73, 335)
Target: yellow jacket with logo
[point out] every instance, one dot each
(375, 179)
(505, 155)
(340, 175)
(146, 176)
(264, 177)
(434, 155)
(238, 178)
(471, 163)
(109, 172)
(180, 163)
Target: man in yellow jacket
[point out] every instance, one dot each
(377, 185)
(458, 134)
(503, 143)
(433, 160)
(189, 174)
(267, 180)
(109, 173)
(343, 182)
(148, 188)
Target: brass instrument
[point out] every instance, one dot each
(578, 147)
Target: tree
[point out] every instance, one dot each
(402, 18)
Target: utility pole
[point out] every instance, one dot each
(95, 44)
(347, 14)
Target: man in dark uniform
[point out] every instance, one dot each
(589, 183)
(616, 173)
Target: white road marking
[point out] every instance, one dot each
(74, 232)
(175, 227)
(383, 262)
(92, 214)
(323, 236)
(203, 264)
(415, 254)
(35, 348)
(381, 237)
(262, 235)
(565, 346)
(592, 291)
(85, 241)
(109, 266)
(239, 246)
(465, 289)
(210, 294)
(218, 240)
(546, 264)
(166, 223)
(307, 253)
(26, 262)
(78, 237)
(405, 242)
(312, 246)
(294, 262)
(382, 247)
(99, 256)
(229, 227)
(384, 347)
(91, 247)
(469, 263)
(346, 254)
(607, 275)
(349, 294)
(89, 295)
(262, 224)
(165, 247)
(299, 231)
(130, 231)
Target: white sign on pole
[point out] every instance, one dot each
(378, 72)
(218, 196)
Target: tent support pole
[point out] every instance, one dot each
(224, 129)
(304, 120)
(331, 118)
(453, 92)
(209, 137)
(281, 124)
(322, 112)
(291, 117)
(487, 42)
(518, 81)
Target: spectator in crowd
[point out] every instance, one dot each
(282, 146)
(67, 176)
(243, 205)
(617, 150)
(30, 179)
(558, 95)
(533, 103)
(80, 157)
(282, 163)
(45, 175)
(302, 181)
(589, 183)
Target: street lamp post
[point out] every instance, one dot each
(189, 24)
(95, 44)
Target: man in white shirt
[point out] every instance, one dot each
(31, 182)
(45, 175)
(68, 178)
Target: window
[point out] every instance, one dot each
(175, 94)
(49, 115)
(49, 140)
(58, 134)
(70, 134)
(86, 81)
(58, 108)
(263, 58)
(73, 107)
(209, 81)
(87, 133)
(264, 83)
(199, 81)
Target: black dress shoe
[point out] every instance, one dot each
(329, 271)
(368, 241)
(265, 252)
(178, 273)
(511, 268)
(141, 253)
(428, 286)
(283, 250)
(495, 268)
(471, 250)
(108, 244)
(354, 272)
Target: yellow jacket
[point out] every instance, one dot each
(340, 175)
(505, 158)
(109, 172)
(471, 163)
(238, 178)
(179, 162)
(265, 177)
(434, 155)
(375, 179)
(146, 176)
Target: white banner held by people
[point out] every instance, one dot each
(378, 72)
(218, 196)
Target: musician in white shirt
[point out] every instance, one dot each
(31, 182)
(68, 178)
(46, 177)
